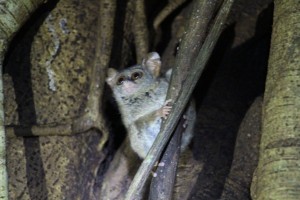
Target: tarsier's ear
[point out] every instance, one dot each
(111, 73)
(152, 63)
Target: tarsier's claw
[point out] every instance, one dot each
(168, 101)
(165, 110)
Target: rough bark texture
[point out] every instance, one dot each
(47, 78)
(12, 16)
(3, 162)
(278, 172)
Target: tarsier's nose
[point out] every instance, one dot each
(129, 87)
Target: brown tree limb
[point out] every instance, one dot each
(13, 16)
(93, 116)
(139, 180)
(140, 31)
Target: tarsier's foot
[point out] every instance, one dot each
(165, 110)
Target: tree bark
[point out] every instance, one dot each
(278, 172)
(13, 14)
(54, 75)
(3, 169)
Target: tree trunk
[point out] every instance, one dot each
(278, 172)
(3, 169)
(13, 14)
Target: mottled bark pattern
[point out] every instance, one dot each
(278, 172)
(3, 160)
(13, 15)
(60, 58)
(49, 77)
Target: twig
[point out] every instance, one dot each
(171, 6)
(140, 178)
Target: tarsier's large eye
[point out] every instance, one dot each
(136, 75)
(121, 80)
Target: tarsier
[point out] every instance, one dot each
(140, 93)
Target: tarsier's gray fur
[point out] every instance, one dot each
(143, 103)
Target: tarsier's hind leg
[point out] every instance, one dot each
(190, 119)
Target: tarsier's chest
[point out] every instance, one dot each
(147, 125)
(145, 104)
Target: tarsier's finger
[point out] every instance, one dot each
(168, 101)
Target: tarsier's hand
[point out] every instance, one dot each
(165, 110)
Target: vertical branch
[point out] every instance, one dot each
(162, 185)
(140, 31)
(13, 15)
(103, 52)
(140, 178)
(3, 169)
(92, 116)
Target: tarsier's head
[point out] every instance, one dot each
(135, 79)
